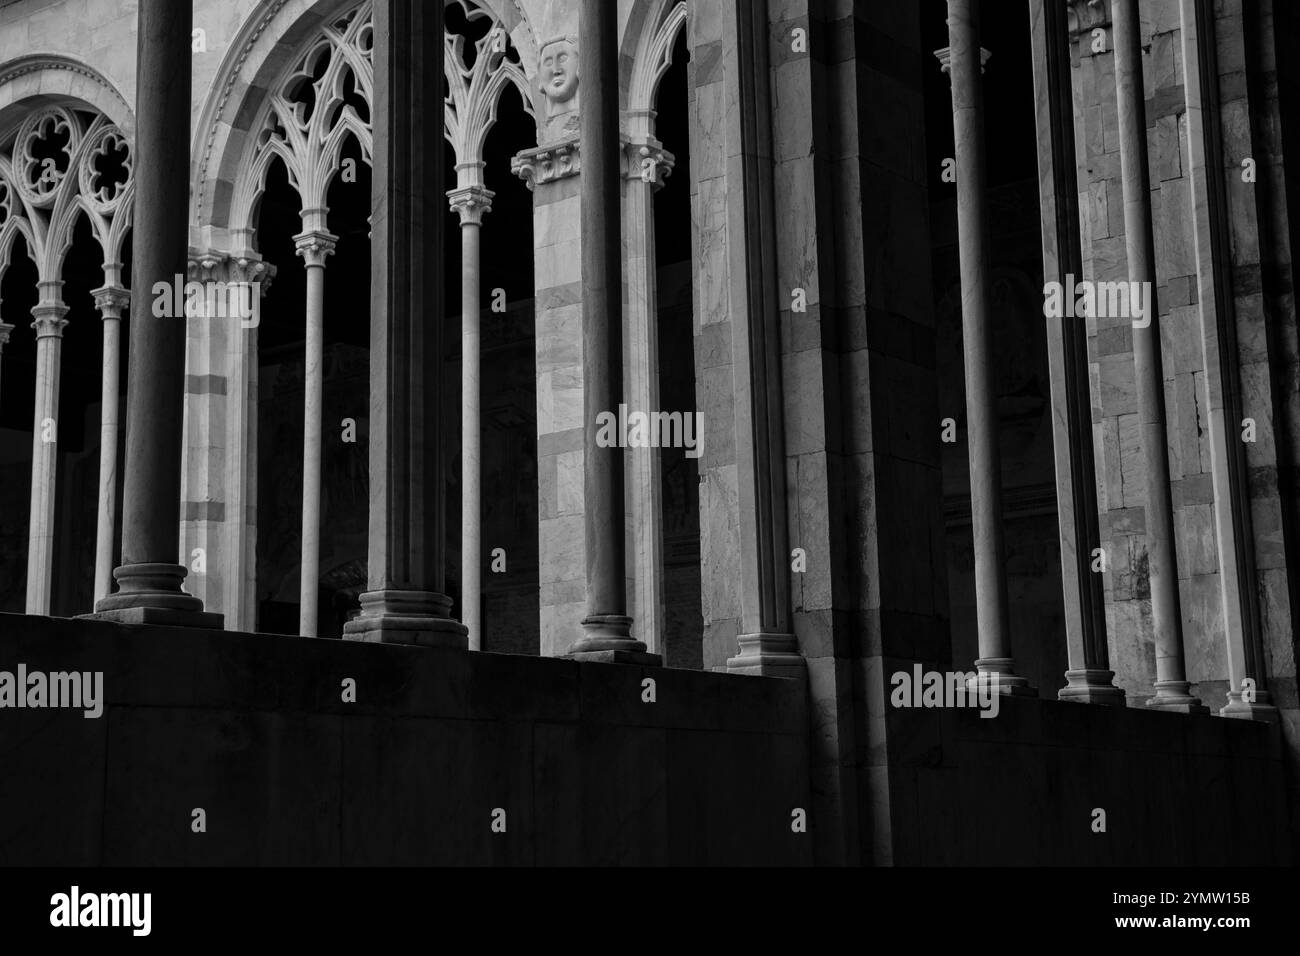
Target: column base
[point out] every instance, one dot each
(768, 655)
(1091, 687)
(414, 618)
(607, 639)
(1258, 709)
(1001, 671)
(1172, 695)
(151, 594)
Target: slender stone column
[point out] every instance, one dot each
(1089, 678)
(992, 613)
(150, 578)
(49, 325)
(648, 167)
(111, 300)
(767, 644)
(406, 602)
(1233, 499)
(607, 629)
(314, 245)
(472, 202)
(1166, 616)
(239, 599)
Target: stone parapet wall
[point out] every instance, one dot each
(253, 730)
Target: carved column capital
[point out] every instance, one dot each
(315, 246)
(49, 320)
(944, 56)
(547, 164)
(213, 266)
(112, 301)
(472, 203)
(246, 269)
(648, 162)
(204, 267)
(5, 329)
(49, 311)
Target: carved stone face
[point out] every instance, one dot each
(559, 71)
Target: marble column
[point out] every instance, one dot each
(1234, 500)
(111, 300)
(965, 64)
(314, 245)
(150, 578)
(552, 173)
(767, 644)
(239, 593)
(1089, 678)
(472, 202)
(1171, 685)
(49, 324)
(219, 477)
(406, 603)
(648, 165)
(607, 628)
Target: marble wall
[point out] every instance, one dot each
(1263, 311)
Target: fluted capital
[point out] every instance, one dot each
(315, 246)
(471, 202)
(944, 56)
(112, 301)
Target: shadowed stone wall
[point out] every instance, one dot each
(253, 730)
(1020, 789)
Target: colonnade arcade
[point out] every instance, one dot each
(311, 89)
(303, 118)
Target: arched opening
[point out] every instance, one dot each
(76, 168)
(345, 466)
(280, 391)
(508, 369)
(80, 377)
(280, 345)
(680, 479)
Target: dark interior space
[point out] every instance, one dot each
(1021, 375)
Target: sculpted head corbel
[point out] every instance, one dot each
(557, 73)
